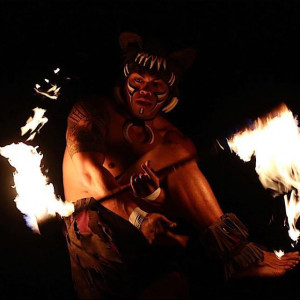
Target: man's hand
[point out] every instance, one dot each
(156, 229)
(145, 183)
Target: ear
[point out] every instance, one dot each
(183, 58)
(130, 43)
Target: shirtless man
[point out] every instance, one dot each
(126, 247)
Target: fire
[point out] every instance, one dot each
(37, 121)
(292, 206)
(275, 142)
(52, 92)
(36, 197)
(279, 253)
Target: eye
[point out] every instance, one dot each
(138, 80)
(158, 84)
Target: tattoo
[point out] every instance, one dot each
(85, 133)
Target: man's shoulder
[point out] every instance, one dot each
(172, 134)
(163, 125)
(90, 107)
(91, 104)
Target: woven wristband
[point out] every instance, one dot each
(137, 217)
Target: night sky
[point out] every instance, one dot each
(247, 63)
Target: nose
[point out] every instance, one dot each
(145, 90)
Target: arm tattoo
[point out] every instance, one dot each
(84, 133)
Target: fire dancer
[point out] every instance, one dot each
(127, 246)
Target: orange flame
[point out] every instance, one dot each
(52, 92)
(275, 142)
(279, 253)
(35, 196)
(38, 120)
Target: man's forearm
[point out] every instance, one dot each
(100, 183)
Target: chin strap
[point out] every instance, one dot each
(228, 239)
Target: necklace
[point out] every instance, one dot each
(149, 132)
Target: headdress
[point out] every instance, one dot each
(152, 58)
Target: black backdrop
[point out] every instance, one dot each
(247, 63)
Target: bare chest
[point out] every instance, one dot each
(125, 143)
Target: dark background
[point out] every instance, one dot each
(247, 63)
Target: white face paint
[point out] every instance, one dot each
(145, 95)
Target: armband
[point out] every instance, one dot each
(153, 196)
(137, 217)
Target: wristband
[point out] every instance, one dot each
(153, 196)
(137, 217)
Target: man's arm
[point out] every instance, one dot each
(98, 181)
(86, 147)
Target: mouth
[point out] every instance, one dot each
(144, 102)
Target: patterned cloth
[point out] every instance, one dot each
(110, 258)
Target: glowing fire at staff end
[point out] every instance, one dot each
(35, 195)
(275, 142)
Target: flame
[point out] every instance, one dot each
(275, 142)
(38, 120)
(292, 205)
(279, 253)
(35, 196)
(51, 93)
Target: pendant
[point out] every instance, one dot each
(149, 132)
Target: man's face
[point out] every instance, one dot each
(145, 95)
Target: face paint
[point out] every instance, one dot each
(161, 96)
(146, 95)
(131, 90)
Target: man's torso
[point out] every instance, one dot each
(121, 155)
